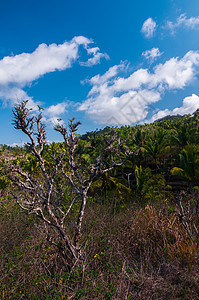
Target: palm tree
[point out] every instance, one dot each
(155, 145)
(184, 135)
(108, 182)
(189, 164)
(142, 177)
(139, 137)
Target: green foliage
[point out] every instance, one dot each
(142, 176)
(123, 247)
(4, 182)
(155, 190)
(189, 164)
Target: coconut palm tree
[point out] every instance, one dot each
(189, 164)
(155, 145)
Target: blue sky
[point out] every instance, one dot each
(104, 62)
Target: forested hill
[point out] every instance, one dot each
(168, 147)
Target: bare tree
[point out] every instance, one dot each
(43, 194)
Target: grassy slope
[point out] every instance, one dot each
(131, 253)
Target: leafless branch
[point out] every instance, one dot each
(43, 193)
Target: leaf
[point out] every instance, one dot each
(40, 108)
(86, 157)
(177, 171)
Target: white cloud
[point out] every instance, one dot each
(55, 121)
(114, 99)
(176, 73)
(13, 95)
(183, 21)
(152, 54)
(26, 67)
(21, 70)
(96, 57)
(112, 72)
(21, 144)
(56, 110)
(189, 106)
(52, 113)
(128, 108)
(148, 28)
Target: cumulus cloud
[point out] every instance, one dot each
(152, 54)
(53, 121)
(26, 67)
(52, 113)
(128, 108)
(97, 55)
(189, 106)
(112, 72)
(148, 28)
(115, 99)
(21, 144)
(57, 109)
(21, 70)
(183, 21)
(14, 95)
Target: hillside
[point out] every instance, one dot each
(139, 234)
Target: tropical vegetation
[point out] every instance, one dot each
(111, 214)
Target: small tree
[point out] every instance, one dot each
(46, 194)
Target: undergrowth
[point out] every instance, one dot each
(129, 253)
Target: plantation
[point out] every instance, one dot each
(112, 214)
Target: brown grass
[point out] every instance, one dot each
(128, 254)
(158, 236)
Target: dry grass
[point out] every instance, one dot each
(129, 254)
(158, 236)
